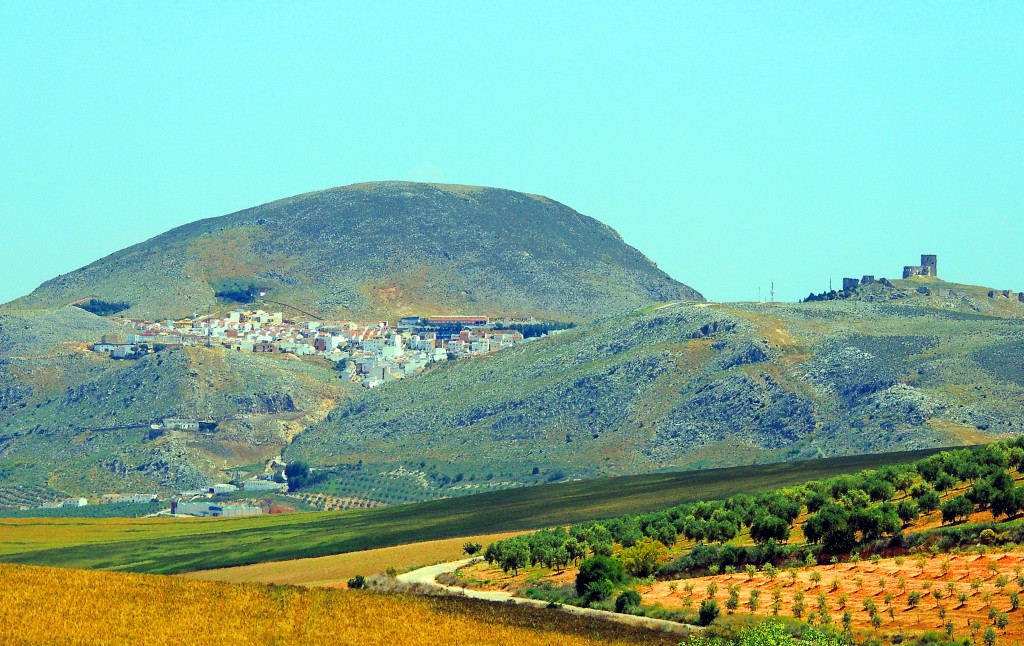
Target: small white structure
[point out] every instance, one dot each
(124, 352)
(180, 424)
(223, 488)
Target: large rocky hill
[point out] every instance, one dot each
(380, 250)
(677, 385)
(697, 385)
(653, 378)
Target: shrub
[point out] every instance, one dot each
(599, 568)
(599, 591)
(643, 559)
(358, 582)
(626, 601)
(709, 611)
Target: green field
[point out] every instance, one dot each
(116, 510)
(171, 546)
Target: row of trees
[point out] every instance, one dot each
(844, 511)
(552, 548)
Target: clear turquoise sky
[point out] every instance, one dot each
(733, 143)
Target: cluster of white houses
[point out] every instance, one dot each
(105, 499)
(369, 352)
(199, 503)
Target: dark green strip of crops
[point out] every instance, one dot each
(255, 540)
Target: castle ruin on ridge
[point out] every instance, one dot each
(928, 267)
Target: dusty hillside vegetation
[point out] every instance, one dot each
(381, 250)
(682, 385)
(687, 386)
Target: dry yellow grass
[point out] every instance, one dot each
(337, 569)
(56, 606)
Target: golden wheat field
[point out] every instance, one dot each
(43, 605)
(335, 570)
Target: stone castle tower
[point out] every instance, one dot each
(931, 263)
(929, 267)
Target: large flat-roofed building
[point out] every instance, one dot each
(458, 320)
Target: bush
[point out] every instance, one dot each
(643, 559)
(599, 568)
(599, 591)
(626, 601)
(709, 611)
(358, 582)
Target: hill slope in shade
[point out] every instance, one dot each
(381, 250)
(693, 386)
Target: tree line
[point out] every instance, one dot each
(843, 514)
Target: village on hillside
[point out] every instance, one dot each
(369, 353)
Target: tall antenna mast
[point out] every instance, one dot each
(773, 291)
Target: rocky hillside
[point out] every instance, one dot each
(692, 386)
(72, 421)
(380, 250)
(673, 385)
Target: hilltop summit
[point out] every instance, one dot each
(381, 249)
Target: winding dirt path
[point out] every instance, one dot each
(428, 576)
